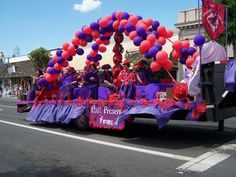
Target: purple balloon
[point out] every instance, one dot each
(95, 59)
(159, 46)
(153, 51)
(147, 55)
(191, 50)
(94, 26)
(182, 60)
(120, 29)
(88, 38)
(113, 15)
(80, 51)
(89, 57)
(155, 25)
(102, 38)
(70, 58)
(199, 40)
(59, 52)
(137, 40)
(51, 70)
(51, 63)
(42, 82)
(81, 35)
(94, 46)
(60, 60)
(129, 27)
(139, 17)
(184, 52)
(124, 15)
(99, 56)
(141, 31)
(155, 33)
(102, 30)
(109, 25)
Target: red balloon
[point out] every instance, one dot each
(98, 41)
(189, 61)
(71, 50)
(54, 58)
(103, 23)
(145, 46)
(76, 33)
(95, 34)
(195, 55)
(123, 23)
(161, 40)
(169, 33)
(151, 38)
(108, 34)
(65, 54)
(64, 64)
(176, 54)
(83, 42)
(97, 63)
(74, 41)
(155, 66)
(186, 44)
(102, 48)
(57, 66)
(148, 21)
(118, 15)
(65, 45)
(87, 30)
(161, 57)
(133, 19)
(161, 30)
(106, 42)
(177, 45)
(93, 53)
(132, 35)
(48, 77)
(126, 33)
(167, 65)
(87, 62)
(116, 24)
(108, 18)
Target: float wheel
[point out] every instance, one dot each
(81, 122)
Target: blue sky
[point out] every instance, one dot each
(30, 24)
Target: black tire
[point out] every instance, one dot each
(81, 122)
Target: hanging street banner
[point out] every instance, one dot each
(213, 18)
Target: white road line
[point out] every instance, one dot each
(146, 151)
(0, 109)
(8, 106)
(209, 159)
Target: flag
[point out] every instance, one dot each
(213, 18)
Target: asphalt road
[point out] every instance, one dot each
(180, 149)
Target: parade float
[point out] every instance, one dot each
(161, 101)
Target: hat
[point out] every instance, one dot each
(126, 62)
(106, 66)
(140, 64)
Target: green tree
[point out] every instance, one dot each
(39, 58)
(231, 5)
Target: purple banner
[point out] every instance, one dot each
(105, 116)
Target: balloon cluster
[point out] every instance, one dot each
(147, 34)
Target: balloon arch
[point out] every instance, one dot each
(147, 34)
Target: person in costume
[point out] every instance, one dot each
(91, 81)
(142, 74)
(67, 83)
(128, 80)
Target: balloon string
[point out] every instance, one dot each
(169, 40)
(171, 76)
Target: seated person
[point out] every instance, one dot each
(106, 76)
(91, 81)
(143, 74)
(128, 80)
(211, 51)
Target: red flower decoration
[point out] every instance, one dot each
(180, 91)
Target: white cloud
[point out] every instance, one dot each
(87, 5)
